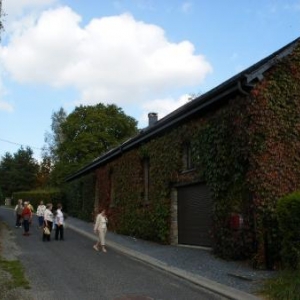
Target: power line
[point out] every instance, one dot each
(18, 144)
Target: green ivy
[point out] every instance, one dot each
(246, 150)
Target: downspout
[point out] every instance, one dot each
(240, 88)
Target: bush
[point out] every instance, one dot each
(53, 196)
(288, 214)
(284, 286)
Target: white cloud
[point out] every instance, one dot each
(20, 14)
(112, 59)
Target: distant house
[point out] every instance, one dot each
(209, 173)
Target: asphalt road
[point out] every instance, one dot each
(72, 269)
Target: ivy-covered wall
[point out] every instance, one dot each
(124, 179)
(222, 155)
(274, 144)
(247, 151)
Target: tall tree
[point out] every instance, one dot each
(18, 172)
(90, 131)
(25, 170)
(55, 138)
(44, 173)
(6, 171)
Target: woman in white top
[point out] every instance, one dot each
(100, 227)
(48, 221)
(40, 213)
(59, 223)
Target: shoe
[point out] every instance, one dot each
(96, 248)
(104, 250)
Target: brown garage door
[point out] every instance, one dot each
(194, 215)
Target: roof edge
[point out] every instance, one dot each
(236, 83)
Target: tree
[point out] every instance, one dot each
(6, 170)
(43, 176)
(25, 170)
(54, 139)
(18, 172)
(88, 132)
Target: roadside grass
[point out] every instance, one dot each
(15, 270)
(285, 286)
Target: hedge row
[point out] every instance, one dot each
(53, 196)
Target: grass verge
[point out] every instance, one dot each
(11, 271)
(16, 271)
(285, 286)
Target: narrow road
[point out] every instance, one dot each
(73, 270)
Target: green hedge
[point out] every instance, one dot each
(53, 196)
(288, 213)
(80, 197)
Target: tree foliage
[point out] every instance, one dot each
(6, 170)
(18, 172)
(44, 173)
(86, 133)
(54, 139)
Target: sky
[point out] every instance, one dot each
(142, 55)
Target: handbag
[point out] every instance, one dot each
(46, 230)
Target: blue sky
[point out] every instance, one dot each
(142, 55)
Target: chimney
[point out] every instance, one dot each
(152, 117)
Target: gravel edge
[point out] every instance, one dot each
(9, 250)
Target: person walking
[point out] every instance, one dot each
(26, 217)
(100, 227)
(59, 223)
(48, 222)
(18, 213)
(40, 213)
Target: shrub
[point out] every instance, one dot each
(53, 196)
(288, 214)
